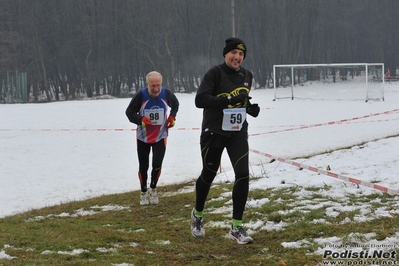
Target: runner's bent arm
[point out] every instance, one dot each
(173, 102)
(204, 97)
(133, 110)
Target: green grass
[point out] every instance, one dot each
(160, 234)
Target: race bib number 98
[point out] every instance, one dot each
(156, 116)
(233, 118)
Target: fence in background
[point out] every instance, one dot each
(13, 87)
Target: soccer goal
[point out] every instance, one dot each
(351, 81)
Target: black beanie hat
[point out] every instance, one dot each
(234, 43)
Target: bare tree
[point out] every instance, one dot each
(89, 48)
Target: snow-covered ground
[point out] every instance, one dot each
(66, 151)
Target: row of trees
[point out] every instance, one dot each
(96, 47)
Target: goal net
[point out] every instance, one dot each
(356, 81)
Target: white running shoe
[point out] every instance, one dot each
(153, 196)
(240, 235)
(197, 225)
(144, 198)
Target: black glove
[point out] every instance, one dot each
(253, 109)
(241, 99)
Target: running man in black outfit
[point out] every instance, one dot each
(224, 96)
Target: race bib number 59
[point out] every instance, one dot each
(233, 118)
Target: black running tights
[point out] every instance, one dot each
(237, 150)
(158, 153)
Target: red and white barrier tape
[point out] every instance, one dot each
(328, 123)
(329, 173)
(187, 128)
(68, 129)
(86, 129)
(338, 123)
(293, 127)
